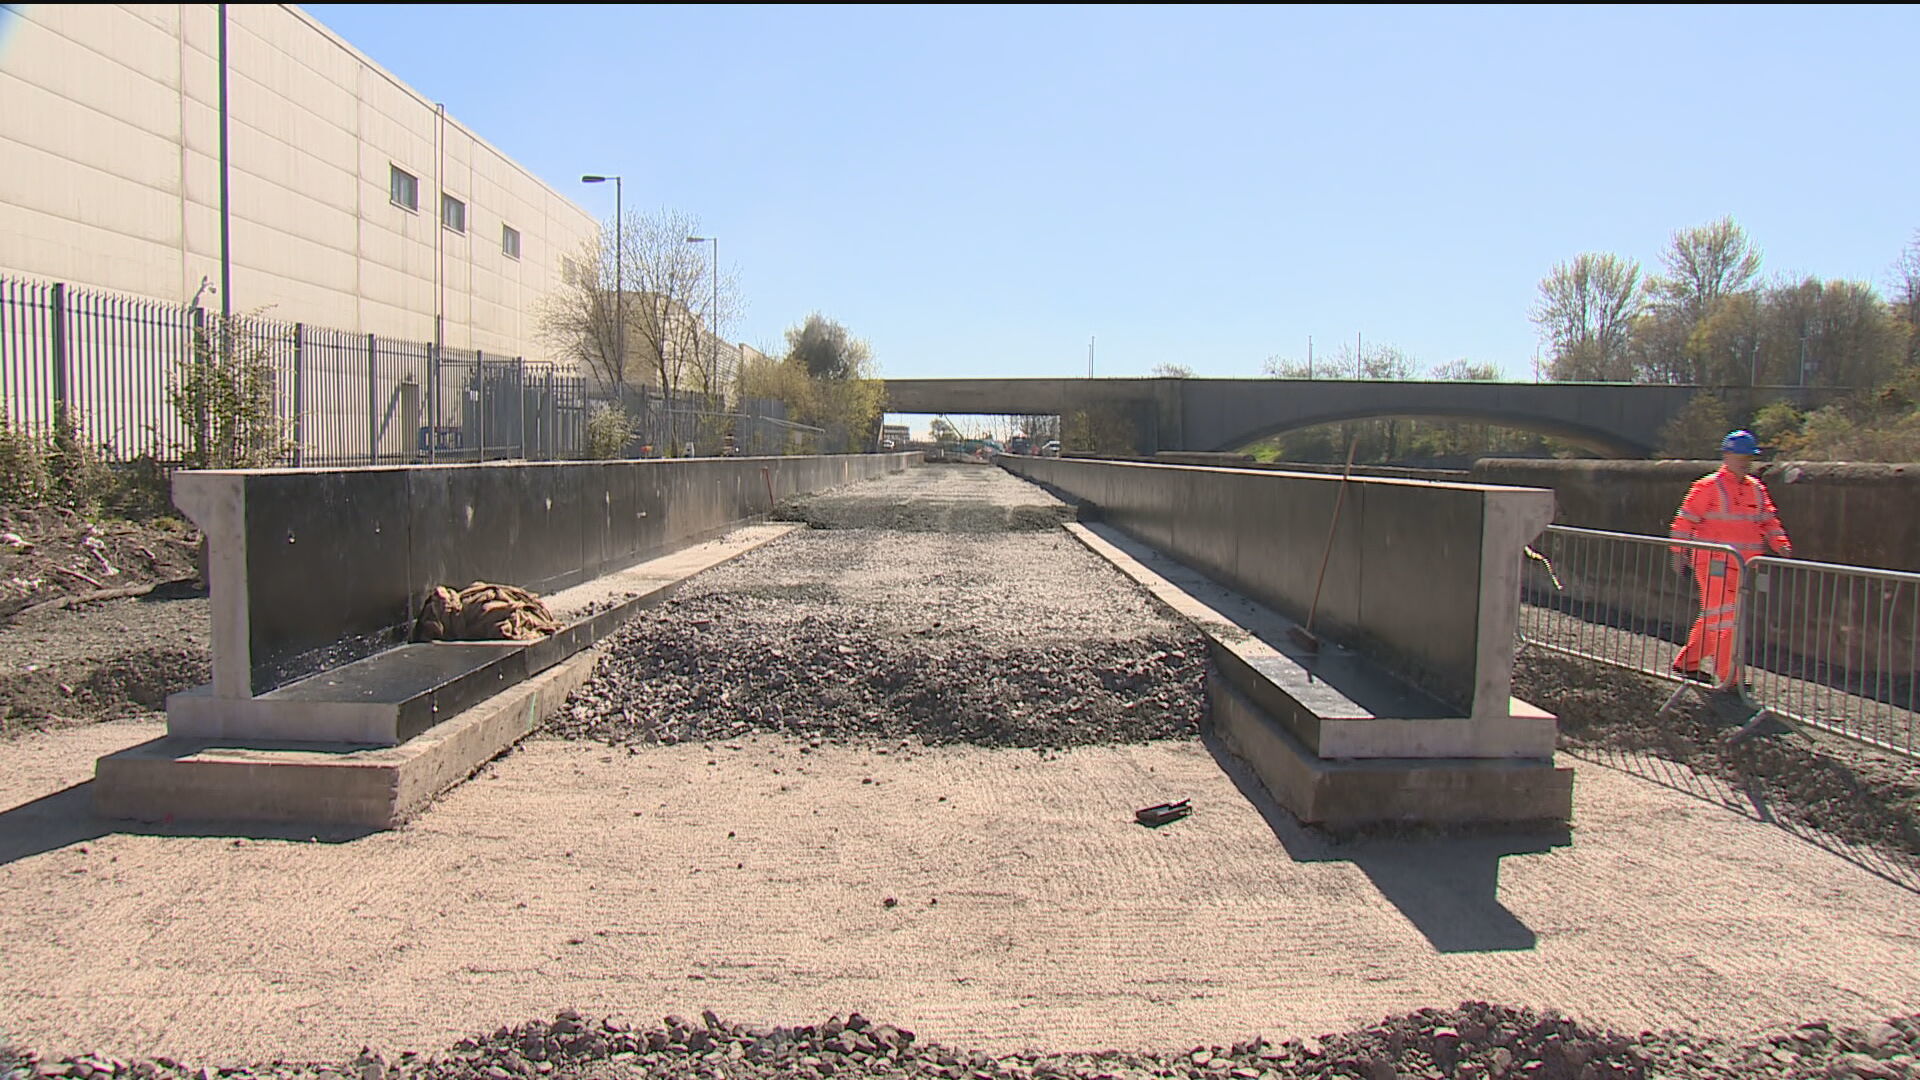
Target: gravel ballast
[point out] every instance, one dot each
(943, 605)
(1473, 1041)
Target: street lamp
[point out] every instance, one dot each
(715, 241)
(619, 276)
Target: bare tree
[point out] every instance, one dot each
(1586, 312)
(1168, 370)
(669, 307)
(1906, 295)
(577, 318)
(1704, 264)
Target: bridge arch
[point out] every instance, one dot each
(1599, 441)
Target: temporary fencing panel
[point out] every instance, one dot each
(1829, 646)
(1834, 647)
(1612, 598)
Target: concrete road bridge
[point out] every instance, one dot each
(1613, 419)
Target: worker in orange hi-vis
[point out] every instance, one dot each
(1731, 507)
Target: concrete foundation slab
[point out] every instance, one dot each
(1353, 793)
(186, 779)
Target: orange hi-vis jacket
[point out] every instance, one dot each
(1723, 508)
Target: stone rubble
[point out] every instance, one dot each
(1473, 1041)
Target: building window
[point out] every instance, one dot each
(403, 188)
(510, 241)
(453, 213)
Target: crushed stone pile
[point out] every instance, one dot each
(1473, 1041)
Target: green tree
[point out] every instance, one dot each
(1695, 432)
(826, 350)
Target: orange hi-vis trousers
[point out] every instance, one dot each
(1717, 575)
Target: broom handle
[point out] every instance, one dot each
(1332, 527)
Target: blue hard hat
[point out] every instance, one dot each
(1739, 442)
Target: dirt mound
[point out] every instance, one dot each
(49, 552)
(125, 684)
(720, 665)
(1850, 793)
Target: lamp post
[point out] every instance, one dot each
(619, 282)
(714, 370)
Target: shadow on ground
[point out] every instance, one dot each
(66, 817)
(1446, 884)
(1750, 801)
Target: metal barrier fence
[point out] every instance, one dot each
(106, 364)
(1612, 598)
(1825, 645)
(1835, 647)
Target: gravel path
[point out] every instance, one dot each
(939, 605)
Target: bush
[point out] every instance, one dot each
(1695, 432)
(24, 479)
(223, 394)
(38, 468)
(610, 430)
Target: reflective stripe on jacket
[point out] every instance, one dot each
(1723, 508)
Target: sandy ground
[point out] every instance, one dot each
(751, 878)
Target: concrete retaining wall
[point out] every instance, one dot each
(1423, 576)
(310, 568)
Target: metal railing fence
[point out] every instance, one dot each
(105, 366)
(1825, 645)
(1835, 647)
(1611, 598)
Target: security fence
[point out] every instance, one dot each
(1824, 645)
(108, 366)
(686, 423)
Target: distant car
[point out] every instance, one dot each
(886, 444)
(1052, 448)
(1019, 445)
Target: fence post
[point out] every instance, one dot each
(61, 390)
(520, 414)
(553, 420)
(480, 406)
(433, 402)
(299, 393)
(373, 400)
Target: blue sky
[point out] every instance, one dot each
(979, 191)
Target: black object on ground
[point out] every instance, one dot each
(1161, 813)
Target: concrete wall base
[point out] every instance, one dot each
(1350, 794)
(176, 778)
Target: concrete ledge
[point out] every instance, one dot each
(1324, 750)
(185, 779)
(1335, 703)
(1350, 794)
(392, 696)
(218, 776)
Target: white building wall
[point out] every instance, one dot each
(109, 176)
